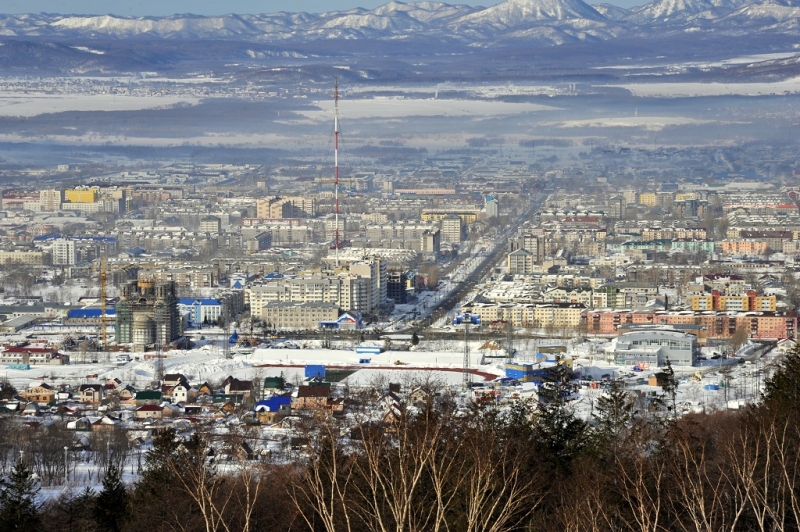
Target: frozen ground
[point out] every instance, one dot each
(650, 123)
(679, 90)
(408, 107)
(207, 364)
(33, 104)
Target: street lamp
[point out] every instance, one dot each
(66, 465)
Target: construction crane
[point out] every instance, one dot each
(103, 317)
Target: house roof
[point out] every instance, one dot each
(149, 408)
(90, 312)
(313, 391)
(199, 301)
(240, 386)
(273, 404)
(149, 394)
(30, 350)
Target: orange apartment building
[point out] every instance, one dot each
(760, 325)
(741, 246)
(750, 301)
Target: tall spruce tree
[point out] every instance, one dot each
(614, 412)
(18, 508)
(782, 390)
(111, 504)
(669, 384)
(560, 434)
(158, 473)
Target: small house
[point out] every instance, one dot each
(148, 397)
(419, 397)
(205, 390)
(183, 393)
(273, 409)
(41, 394)
(91, 393)
(149, 412)
(274, 384)
(311, 397)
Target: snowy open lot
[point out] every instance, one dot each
(397, 108)
(205, 364)
(650, 123)
(680, 90)
(32, 104)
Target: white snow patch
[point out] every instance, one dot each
(403, 108)
(21, 104)
(678, 90)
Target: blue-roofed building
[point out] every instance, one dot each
(350, 321)
(201, 310)
(270, 410)
(90, 316)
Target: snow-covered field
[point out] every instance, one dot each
(680, 90)
(396, 108)
(204, 364)
(33, 104)
(650, 123)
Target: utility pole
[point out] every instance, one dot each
(509, 340)
(467, 377)
(159, 365)
(158, 375)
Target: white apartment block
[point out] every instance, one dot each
(63, 253)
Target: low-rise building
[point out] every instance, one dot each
(295, 316)
(654, 347)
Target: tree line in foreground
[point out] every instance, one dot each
(524, 467)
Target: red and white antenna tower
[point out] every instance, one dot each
(336, 164)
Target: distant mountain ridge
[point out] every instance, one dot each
(543, 21)
(418, 40)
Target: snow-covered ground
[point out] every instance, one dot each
(407, 107)
(31, 104)
(207, 364)
(650, 123)
(431, 361)
(680, 90)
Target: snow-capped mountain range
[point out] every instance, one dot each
(542, 21)
(420, 41)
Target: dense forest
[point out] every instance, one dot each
(520, 467)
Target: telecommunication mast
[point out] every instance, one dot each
(336, 165)
(103, 317)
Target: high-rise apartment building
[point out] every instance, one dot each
(63, 252)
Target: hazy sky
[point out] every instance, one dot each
(210, 7)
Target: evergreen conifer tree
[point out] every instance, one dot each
(614, 413)
(111, 504)
(18, 508)
(782, 390)
(561, 434)
(669, 384)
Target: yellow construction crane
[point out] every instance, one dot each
(103, 320)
